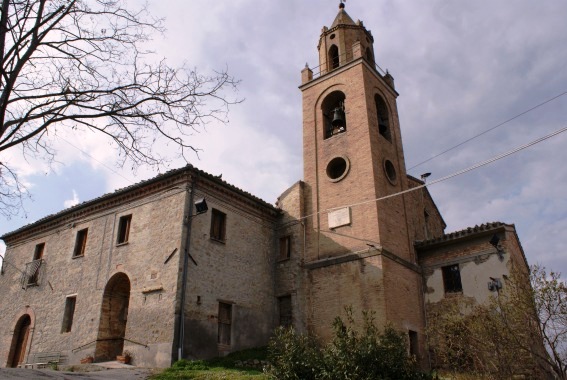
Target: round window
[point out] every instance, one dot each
(332, 36)
(337, 168)
(390, 171)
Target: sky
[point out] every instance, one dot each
(461, 68)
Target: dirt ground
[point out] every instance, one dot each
(80, 372)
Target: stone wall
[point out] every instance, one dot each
(155, 231)
(238, 271)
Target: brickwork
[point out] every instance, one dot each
(477, 259)
(238, 271)
(86, 277)
(390, 288)
(350, 245)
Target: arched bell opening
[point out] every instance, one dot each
(113, 318)
(19, 344)
(334, 61)
(383, 118)
(334, 115)
(369, 56)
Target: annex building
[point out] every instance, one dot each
(185, 264)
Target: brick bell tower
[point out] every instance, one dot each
(358, 251)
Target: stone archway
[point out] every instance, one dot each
(19, 341)
(113, 318)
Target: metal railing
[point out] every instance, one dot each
(107, 339)
(322, 68)
(31, 276)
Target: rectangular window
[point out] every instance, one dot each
(225, 323)
(413, 343)
(218, 225)
(38, 253)
(34, 267)
(69, 313)
(80, 243)
(286, 315)
(285, 247)
(124, 229)
(452, 279)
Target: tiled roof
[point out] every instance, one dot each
(460, 234)
(342, 19)
(170, 173)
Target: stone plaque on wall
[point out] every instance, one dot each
(338, 218)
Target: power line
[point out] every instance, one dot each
(86, 154)
(460, 172)
(488, 130)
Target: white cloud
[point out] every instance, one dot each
(460, 68)
(73, 201)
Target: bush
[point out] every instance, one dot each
(293, 356)
(194, 365)
(366, 355)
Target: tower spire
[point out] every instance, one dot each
(342, 4)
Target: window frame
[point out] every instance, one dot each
(39, 251)
(69, 313)
(284, 248)
(383, 117)
(124, 226)
(33, 278)
(224, 332)
(286, 320)
(80, 243)
(218, 226)
(452, 283)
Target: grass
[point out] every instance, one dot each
(217, 368)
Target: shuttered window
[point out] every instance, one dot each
(218, 225)
(80, 243)
(225, 323)
(69, 313)
(285, 247)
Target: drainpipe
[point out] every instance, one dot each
(189, 218)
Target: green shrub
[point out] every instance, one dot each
(366, 355)
(193, 365)
(294, 356)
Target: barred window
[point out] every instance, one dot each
(452, 279)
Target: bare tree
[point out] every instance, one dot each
(521, 330)
(80, 64)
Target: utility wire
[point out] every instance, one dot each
(88, 155)
(460, 172)
(488, 130)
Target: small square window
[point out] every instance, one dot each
(225, 323)
(218, 225)
(80, 243)
(124, 229)
(285, 247)
(69, 313)
(452, 279)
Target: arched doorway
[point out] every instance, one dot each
(19, 341)
(113, 318)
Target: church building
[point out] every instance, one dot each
(187, 265)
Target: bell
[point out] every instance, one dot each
(338, 118)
